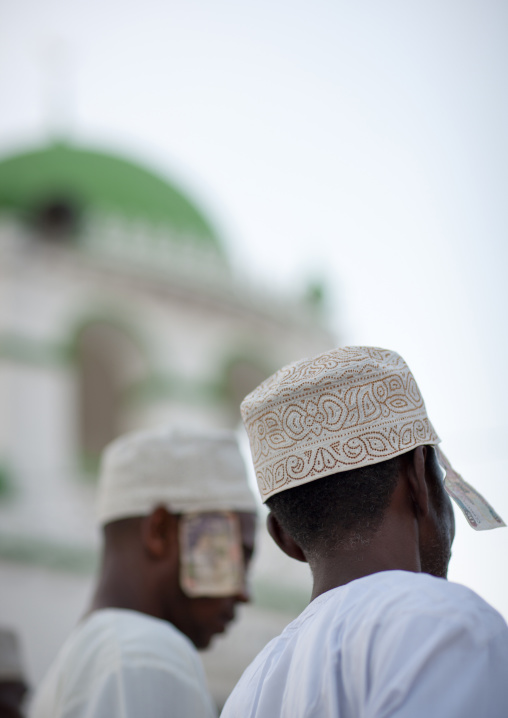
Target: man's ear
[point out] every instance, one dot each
(416, 468)
(159, 533)
(283, 539)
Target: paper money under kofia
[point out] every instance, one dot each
(211, 558)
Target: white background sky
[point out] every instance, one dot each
(364, 143)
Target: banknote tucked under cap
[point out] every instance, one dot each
(344, 409)
(183, 469)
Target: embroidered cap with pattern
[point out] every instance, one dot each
(344, 409)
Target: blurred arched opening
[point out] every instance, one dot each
(109, 361)
(241, 375)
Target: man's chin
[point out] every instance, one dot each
(204, 641)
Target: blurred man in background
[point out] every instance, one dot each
(347, 461)
(178, 524)
(13, 685)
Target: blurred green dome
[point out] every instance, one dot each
(90, 180)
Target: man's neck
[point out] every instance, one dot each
(350, 564)
(125, 587)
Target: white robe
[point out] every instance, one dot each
(124, 664)
(393, 644)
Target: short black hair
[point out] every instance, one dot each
(341, 510)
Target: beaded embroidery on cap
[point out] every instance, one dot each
(341, 410)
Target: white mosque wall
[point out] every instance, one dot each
(174, 341)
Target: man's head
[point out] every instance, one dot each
(400, 503)
(179, 524)
(344, 451)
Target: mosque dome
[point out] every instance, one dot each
(59, 181)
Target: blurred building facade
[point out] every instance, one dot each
(118, 310)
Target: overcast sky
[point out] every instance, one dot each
(362, 143)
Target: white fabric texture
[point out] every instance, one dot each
(124, 664)
(394, 644)
(186, 470)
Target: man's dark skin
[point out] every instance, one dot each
(416, 533)
(140, 571)
(12, 694)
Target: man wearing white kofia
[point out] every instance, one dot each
(349, 466)
(178, 521)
